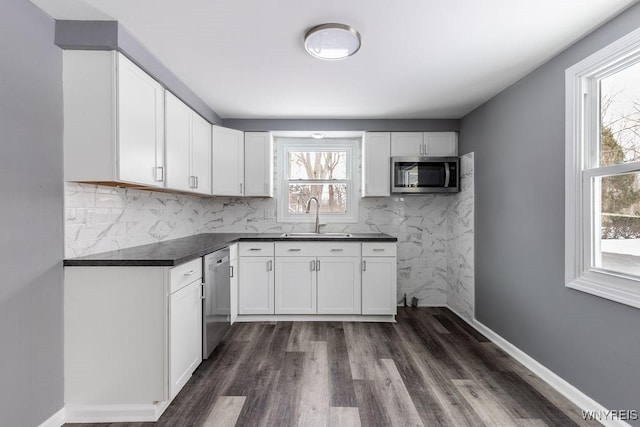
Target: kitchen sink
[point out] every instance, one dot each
(316, 235)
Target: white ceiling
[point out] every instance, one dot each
(419, 58)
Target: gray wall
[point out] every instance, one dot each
(31, 221)
(518, 140)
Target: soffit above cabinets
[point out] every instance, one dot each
(435, 59)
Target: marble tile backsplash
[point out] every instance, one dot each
(101, 218)
(460, 243)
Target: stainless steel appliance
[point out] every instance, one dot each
(410, 175)
(216, 303)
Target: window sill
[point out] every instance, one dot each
(623, 291)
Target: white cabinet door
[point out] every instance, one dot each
(233, 281)
(178, 142)
(376, 157)
(227, 162)
(140, 113)
(338, 285)
(258, 164)
(295, 285)
(255, 285)
(441, 144)
(407, 143)
(379, 278)
(185, 336)
(200, 155)
(188, 141)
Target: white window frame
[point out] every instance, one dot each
(284, 145)
(581, 152)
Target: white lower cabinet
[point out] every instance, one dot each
(317, 278)
(255, 278)
(185, 335)
(295, 287)
(132, 339)
(338, 285)
(379, 279)
(255, 292)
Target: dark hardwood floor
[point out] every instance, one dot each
(430, 368)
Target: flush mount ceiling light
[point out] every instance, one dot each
(332, 41)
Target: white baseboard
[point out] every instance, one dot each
(314, 318)
(580, 399)
(55, 420)
(114, 413)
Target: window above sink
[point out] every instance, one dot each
(325, 169)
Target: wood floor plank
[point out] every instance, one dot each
(488, 411)
(340, 378)
(344, 417)
(301, 334)
(395, 397)
(285, 410)
(456, 411)
(361, 354)
(248, 367)
(370, 406)
(225, 411)
(314, 403)
(531, 423)
(422, 395)
(260, 399)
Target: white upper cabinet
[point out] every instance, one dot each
(376, 153)
(258, 164)
(430, 144)
(113, 120)
(407, 144)
(178, 140)
(227, 162)
(441, 144)
(201, 154)
(188, 140)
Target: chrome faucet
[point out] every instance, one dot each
(317, 230)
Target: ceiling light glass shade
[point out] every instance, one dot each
(332, 41)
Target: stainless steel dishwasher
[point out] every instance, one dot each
(216, 303)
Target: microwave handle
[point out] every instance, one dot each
(447, 174)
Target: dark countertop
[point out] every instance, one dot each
(178, 251)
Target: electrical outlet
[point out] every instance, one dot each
(89, 219)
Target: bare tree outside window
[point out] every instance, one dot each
(318, 174)
(620, 193)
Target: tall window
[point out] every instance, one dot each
(321, 169)
(603, 173)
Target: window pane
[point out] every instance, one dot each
(317, 165)
(332, 197)
(620, 117)
(619, 223)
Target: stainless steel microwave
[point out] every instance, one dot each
(411, 175)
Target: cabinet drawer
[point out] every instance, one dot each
(184, 274)
(378, 249)
(255, 249)
(317, 249)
